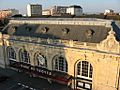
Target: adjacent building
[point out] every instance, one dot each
(75, 10)
(46, 12)
(109, 12)
(34, 10)
(64, 10)
(58, 10)
(8, 13)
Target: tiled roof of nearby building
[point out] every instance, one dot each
(83, 33)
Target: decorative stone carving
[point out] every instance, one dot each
(110, 44)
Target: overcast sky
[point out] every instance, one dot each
(92, 6)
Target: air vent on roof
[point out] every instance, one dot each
(45, 29)
(65, 31)
(89, 33)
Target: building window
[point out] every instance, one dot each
(60, 64)
(84, 75)
(84, 69)
(40, 60)
(11, 53)
(24, 56)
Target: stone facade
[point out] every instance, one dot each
(104, 56)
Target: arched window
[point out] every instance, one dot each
(11, 53)
(40, 60)
(60, 64)
(84, 69)
(24, 56)
(84, 75)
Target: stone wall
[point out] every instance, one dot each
(105, 65)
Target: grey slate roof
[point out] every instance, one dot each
(83, 33)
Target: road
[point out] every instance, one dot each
(22, 81)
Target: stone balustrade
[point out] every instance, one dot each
(64, 21)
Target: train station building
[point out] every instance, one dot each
(83, 53)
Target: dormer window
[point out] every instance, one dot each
(65, 31)
(12, 30)
(89, 33)
(45, 29)
(28, 28)
(15, 27)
